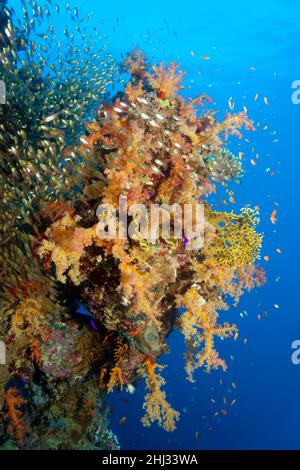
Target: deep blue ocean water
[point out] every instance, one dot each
(253, 48)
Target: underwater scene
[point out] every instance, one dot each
(149, 237)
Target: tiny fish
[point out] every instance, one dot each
(123, 420)
(51, 117)
(231, 104)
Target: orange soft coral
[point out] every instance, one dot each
(65, 244)
(116, 377)
(200, 328)
(136, 63)
(156, 406)
(116, 374)
(166, 80)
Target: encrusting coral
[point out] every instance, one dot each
(152, 147)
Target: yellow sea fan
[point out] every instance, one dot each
(166, 80)
(236, 242)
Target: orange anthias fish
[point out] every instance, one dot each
(273, 217)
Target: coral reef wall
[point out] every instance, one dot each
(83, 314)
(47, 399)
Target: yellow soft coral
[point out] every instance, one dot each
(156, 406)
(65, 244)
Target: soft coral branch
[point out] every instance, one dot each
(13, 415)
